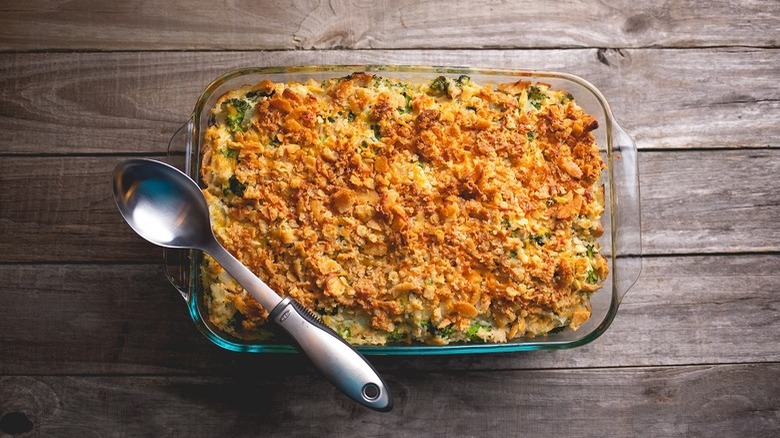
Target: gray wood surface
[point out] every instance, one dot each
(727, 400)
(336, 24)
(98, 103)
(95, 342)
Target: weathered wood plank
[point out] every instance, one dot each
(133, 102)
(61, 208)
(89, 319)
(58, 209)
(276, 25)
(102, 319)
(695, 202)
(726, 400)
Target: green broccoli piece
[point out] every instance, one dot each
(407, 105)
(536, 96)
(475, 327)
(540, 239)
(592, 278)
(395, 336)
(377, 131)
(439, 86)
(463, 80)
(230, 153)
(236, 122)
(506, 223)
(235, 186)
(236, 321)
(255, 95)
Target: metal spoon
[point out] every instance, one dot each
(167, 208)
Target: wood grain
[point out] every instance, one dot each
(95, 342)
(102, 103)
(408, 24)
(62, 209)
(695, 202)
(59, 209)
(90, 319)
(733, 400)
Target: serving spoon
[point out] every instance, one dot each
(167, 208)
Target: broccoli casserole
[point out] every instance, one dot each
(433, 212)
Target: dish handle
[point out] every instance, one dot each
(177, 261)
(180, 147)
(628, 239)
(177, 270)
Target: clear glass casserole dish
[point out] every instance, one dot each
(621, 241)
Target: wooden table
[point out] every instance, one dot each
(95, 342)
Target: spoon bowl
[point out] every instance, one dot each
(162, 205)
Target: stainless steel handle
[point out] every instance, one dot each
(344, 367)
(256, 287)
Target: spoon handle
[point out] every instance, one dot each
(245, 277)
(341, 364)
(344, 367)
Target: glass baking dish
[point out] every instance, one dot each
(621, 241)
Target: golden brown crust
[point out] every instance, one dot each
(436, 212)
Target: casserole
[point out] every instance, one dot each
(620, 241)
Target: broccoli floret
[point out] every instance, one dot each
(463, 80)
(506, 223)
(395, 336)
(407, 105)
(255, 95)
(236, 321)
(432, 329)
(474, 328)
(236, 121)
(540, 239)
(439, 86)
(375, 128)
(592, 278)
(536, 96)
(230, 153)
(234, 186)
(444, 332)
